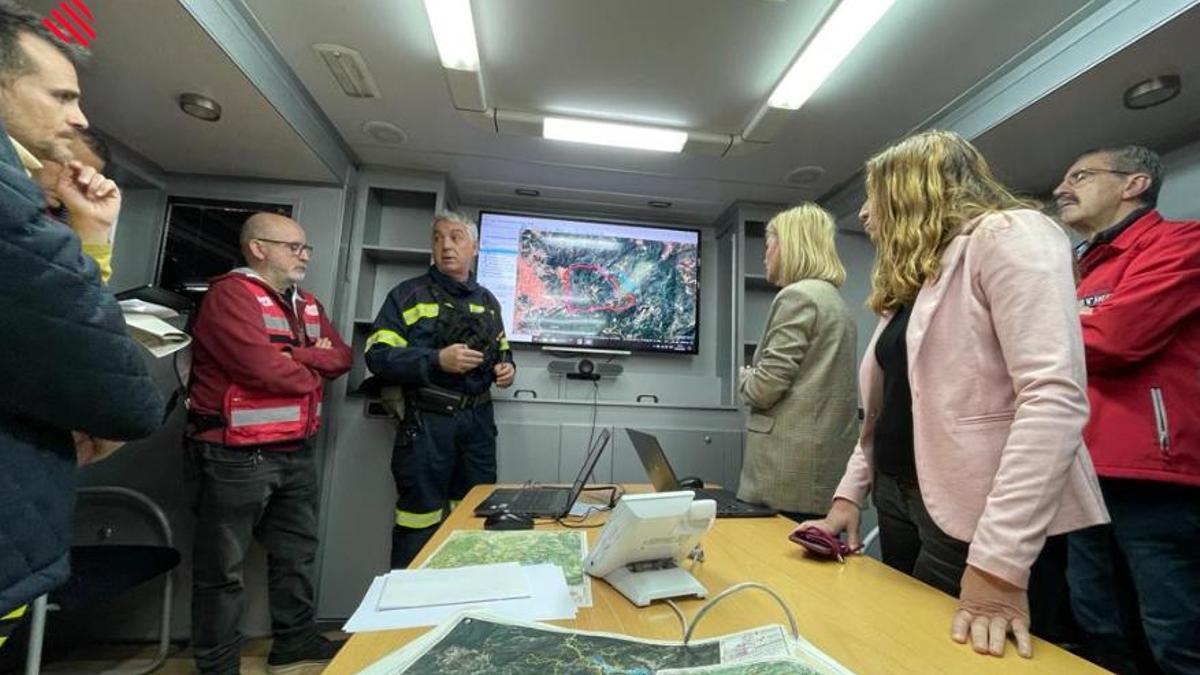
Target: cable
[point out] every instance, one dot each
(730, 591)
(683, 622)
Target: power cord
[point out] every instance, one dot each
(687, 635)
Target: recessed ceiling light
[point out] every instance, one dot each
(659, 204)
(1152, 92)
(618, 135)
(527, 192)
(835, 39)
(349, 70)
(385, 132)
(805, 175)
(200, 106)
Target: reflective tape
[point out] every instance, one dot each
(276, 323)
(421, 310)
(504, 344)
(16, 613)
(387, 337)
(246, 418)
(476, 309)
(418, 521)
(313, 330)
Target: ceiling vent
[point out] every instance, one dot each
(385, 132)
(349, 70)
(805, 176)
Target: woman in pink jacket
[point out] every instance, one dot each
(973, 387)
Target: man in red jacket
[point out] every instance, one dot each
(263, 350)
(1139, 299)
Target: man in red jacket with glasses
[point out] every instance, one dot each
(1139, 299)
(263, 351)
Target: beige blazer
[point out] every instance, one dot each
(803, 419)
(996, 365)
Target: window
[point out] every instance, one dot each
(201, 240)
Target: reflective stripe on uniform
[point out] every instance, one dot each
(504, 344)
(418, 521)
(313, 330)
(421, 310)
(245, 418)
(476, 309)
(276, 323)
(16, 613)
(387, 337)
(10, 621)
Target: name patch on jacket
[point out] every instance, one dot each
(1094, 300)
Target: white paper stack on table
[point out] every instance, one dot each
(425, 597)
(146, 325)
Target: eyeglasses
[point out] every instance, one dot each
(294, 246)
(1076, 177)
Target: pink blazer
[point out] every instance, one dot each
(996, 365)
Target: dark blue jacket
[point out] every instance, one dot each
(66, 363)
(410, 330)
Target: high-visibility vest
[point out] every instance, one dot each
(256, 417)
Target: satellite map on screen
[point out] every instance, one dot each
(610, 288)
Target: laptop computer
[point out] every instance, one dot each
(664, 480)
(544, 502)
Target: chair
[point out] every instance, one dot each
(103, 571)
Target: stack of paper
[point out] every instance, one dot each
(425, 597)
(156, 335)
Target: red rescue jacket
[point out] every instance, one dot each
(255, 368)
(1140, 307)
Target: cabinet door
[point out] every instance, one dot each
(692, 452)
(527, 452)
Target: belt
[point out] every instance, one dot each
(447, 402)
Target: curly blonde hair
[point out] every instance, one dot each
(804, 236)
(921, 191)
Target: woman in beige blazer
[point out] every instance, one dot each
(803, 407)
(973, 387)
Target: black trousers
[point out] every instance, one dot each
(434, 468)
(913, 544)
(244, 494)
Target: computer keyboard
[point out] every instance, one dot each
(533, 500)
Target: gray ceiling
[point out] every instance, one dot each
(698, 64)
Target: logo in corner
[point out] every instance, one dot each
(71, 22)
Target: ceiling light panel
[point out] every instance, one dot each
(349, 70)
(616, 135)
(454, 32)
(836, 38)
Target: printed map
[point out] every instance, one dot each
(480, 547)
(609, 288)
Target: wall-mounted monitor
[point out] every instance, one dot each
(589, 284)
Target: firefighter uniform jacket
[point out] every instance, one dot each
(1140, 307)
(255, 368)
(425, 314)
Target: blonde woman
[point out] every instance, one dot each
(803, 408)
(973, 387)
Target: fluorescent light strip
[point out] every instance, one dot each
(618, 135)
(850, 22)
(454, 33)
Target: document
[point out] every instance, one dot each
(157, 336)
(430, 588)
(548, 600)
(482, 642)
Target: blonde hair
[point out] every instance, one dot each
(804, 239)
(922, 190)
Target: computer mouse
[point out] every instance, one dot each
(507, 520)
(691, 482)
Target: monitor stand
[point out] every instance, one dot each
(646, 582)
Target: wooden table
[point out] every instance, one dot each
(864, 614)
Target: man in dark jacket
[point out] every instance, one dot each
(440, 337)
(70, 376)
(1139, 299)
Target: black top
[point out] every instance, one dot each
(894, 428)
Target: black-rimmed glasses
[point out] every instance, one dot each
(294, 246)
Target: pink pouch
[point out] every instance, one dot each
(821, 543)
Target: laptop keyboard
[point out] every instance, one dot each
(538, 501)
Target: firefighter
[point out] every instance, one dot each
(440, 337)
(263, 350)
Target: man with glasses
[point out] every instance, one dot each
(1139, 299)
(263, 350)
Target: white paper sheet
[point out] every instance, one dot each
(403, 589)
(550, 600)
